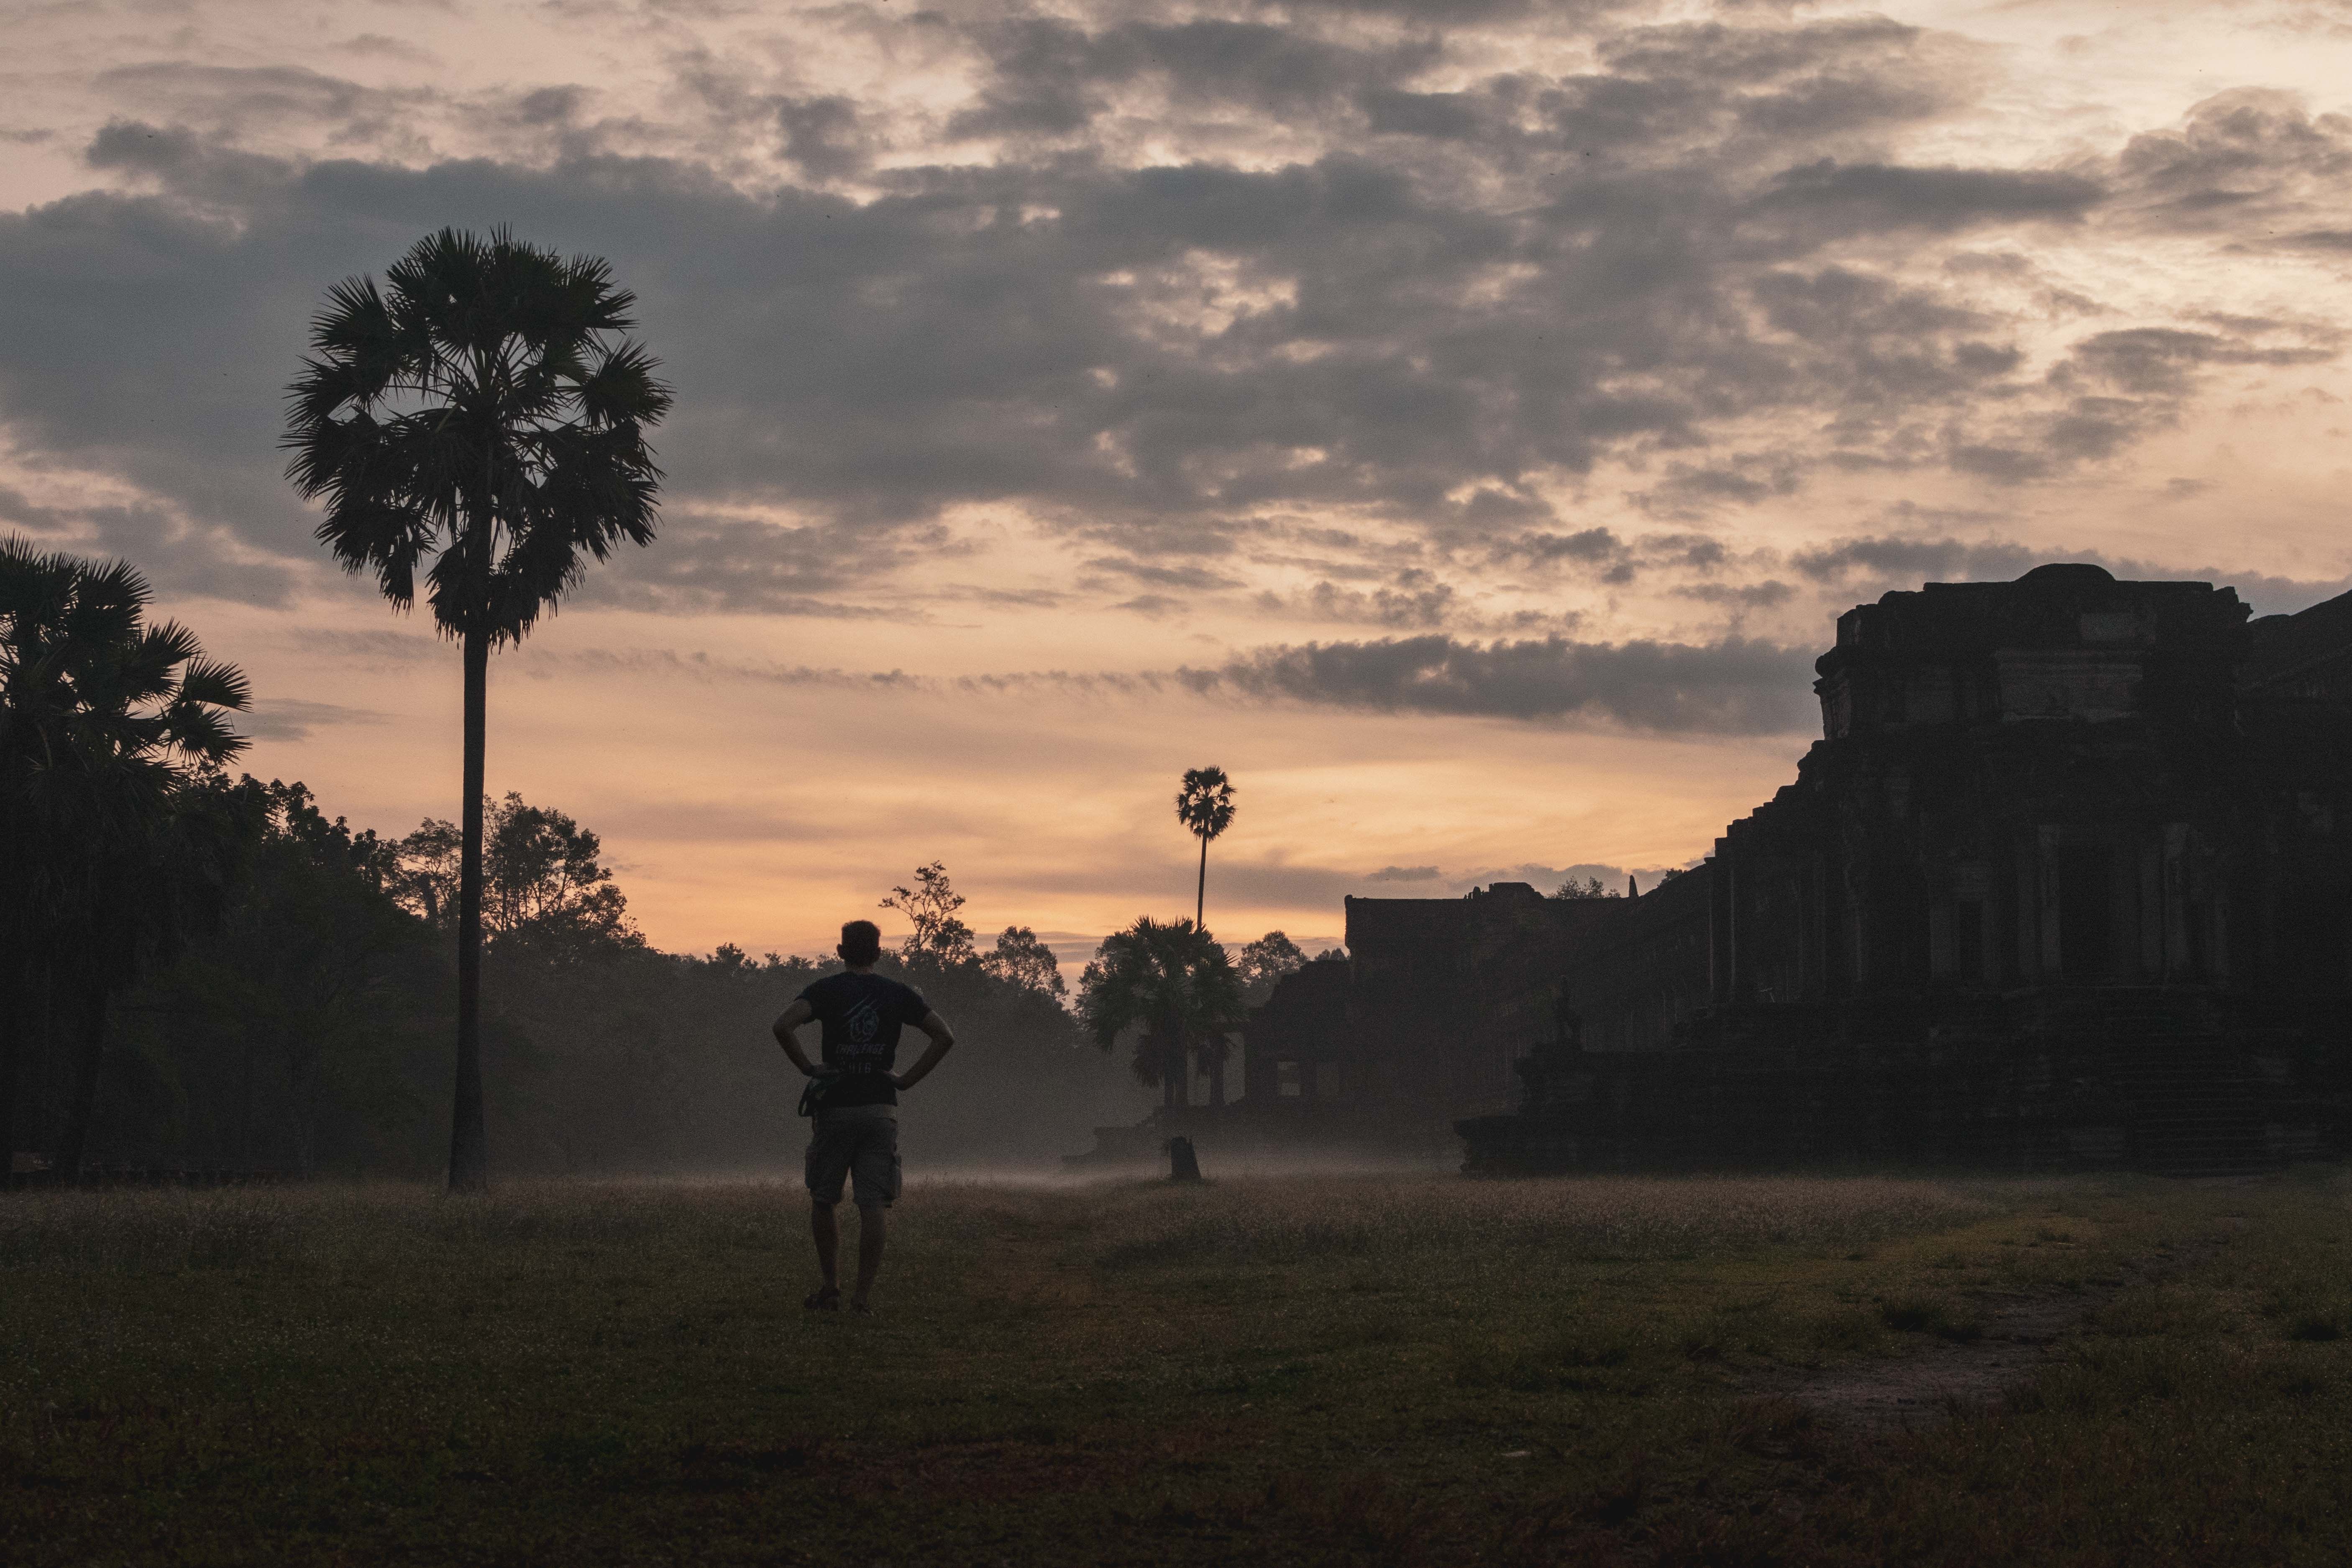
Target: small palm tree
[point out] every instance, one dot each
(1205, 804)
(107, 726)
(1175, 982)
(478, 410)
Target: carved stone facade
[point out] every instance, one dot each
(2062, 882)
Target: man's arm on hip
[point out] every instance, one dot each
(788, 1024)
(942, 1041)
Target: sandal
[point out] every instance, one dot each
(824, 1298)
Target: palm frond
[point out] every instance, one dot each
(620, 387)
(200, 735)
(106, 602)
(216, 683)
(167, 647)
(353, 321)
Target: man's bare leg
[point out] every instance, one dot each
(871, 1232)
(828, 1243)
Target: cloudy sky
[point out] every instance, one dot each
(1460, 419)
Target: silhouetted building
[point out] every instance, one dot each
(1436, 1001)
(2061, 882)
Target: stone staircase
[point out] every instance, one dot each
(2181, 1090)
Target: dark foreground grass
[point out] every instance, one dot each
(1407, 1370)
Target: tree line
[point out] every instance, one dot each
(300, 1023)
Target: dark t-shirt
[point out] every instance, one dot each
(862, 1014)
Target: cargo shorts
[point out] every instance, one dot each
(859, 1141)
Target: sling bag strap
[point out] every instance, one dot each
(820, 1084)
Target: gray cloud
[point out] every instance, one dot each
(823, 135)
(165, 547)
(1051, 77)
(288, 719)
(1879, 195)
(1761, 595)
(1895, 558)
(1446, 300)
(710, 563)
(1414, 598)
(2112, 389)
(2244, 166)
(1590, 546)
(379, 650)
(1734, 687)
(668, 664)
(1196, 578)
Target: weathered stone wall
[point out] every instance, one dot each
(2061, 883)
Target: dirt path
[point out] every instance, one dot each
(1925, 1387)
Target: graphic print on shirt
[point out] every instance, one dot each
(862, 1014)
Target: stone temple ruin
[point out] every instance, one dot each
(2067, 881)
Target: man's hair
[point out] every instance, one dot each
(861, 942)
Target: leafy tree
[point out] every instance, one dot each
(728, 959)
(110, 855)
(477, 410)
(1205, 805)
(1174, 983)
(1023, 961)
(542, 879)
(426, 865)
(1586, 888)
(1265, 961)
(292, 1022)
(939, 936)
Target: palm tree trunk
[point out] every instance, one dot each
(90, 1055)
(1201, 893)
(469, 1151)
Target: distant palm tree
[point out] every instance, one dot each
(1175, 982)
(481, 411)
(1205, 804)
(108, 725)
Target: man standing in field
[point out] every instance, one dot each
(854, 1129)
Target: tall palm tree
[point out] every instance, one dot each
(107, 726)
(1173, 980)
(1205, 805)
(481, 410)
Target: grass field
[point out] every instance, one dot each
(1380, 1369)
